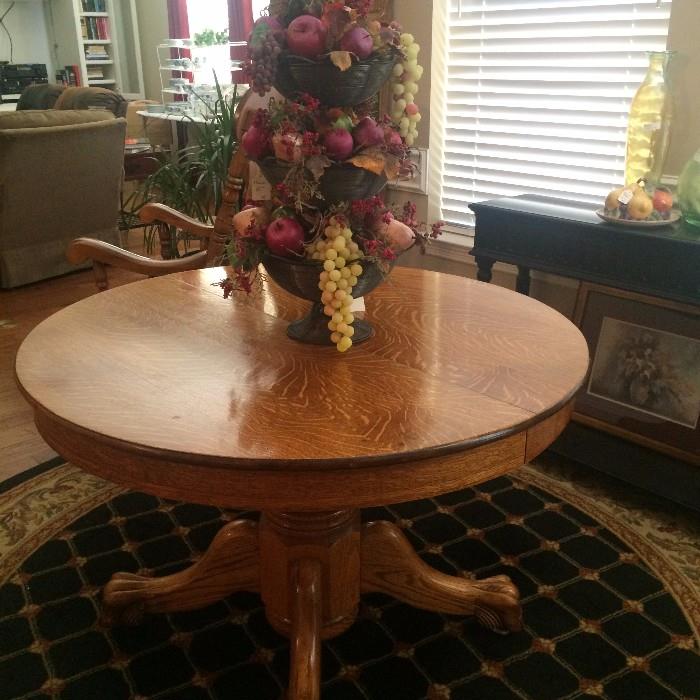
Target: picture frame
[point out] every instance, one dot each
(644, 379)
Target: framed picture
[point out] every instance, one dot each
(644, 381)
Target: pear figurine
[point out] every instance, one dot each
(611, 201)
(640, 206)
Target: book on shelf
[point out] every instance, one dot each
(68, 76)
(96, 52)
(94, 28)
(94, 5)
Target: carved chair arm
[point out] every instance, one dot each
(161, 214)
(101, 254)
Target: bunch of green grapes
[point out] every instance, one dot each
(404, 87)
(340, 275)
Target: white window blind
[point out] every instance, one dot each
(538, 96)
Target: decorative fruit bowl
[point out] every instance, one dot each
(613, 217)
(340, 182)
(326, 82)
(639, 206)
(300, 278)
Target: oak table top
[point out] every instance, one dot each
(167, 369)
(164, 386)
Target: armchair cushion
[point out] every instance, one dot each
(60, 177)
(39, 96)
(90, 98)
(39, 118)
(157, 131)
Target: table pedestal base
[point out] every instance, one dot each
(310, 569)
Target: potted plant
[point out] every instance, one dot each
(191, 180)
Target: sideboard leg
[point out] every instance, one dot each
(484, 265)
(522, 284)
(305, 637)
(389, 565)
(230, 564)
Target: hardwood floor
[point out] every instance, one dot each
(21, 446)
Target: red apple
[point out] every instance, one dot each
(392, 137)
(256, 143)
(339, 144)
(663, 200)
(306, 36)
(285, 237)
(358, 41)
(368, 133)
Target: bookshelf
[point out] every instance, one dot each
(100, 39)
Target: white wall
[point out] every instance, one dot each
(153, 30)
(28, 27)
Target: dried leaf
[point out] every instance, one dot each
(372, 159)
(317, 165)
(392, 168)
(336, 20)
(341, 59)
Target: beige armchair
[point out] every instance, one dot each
(60, 178)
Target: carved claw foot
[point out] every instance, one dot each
(230, 564)
(499, 608)
(389, 565)
(122, 599)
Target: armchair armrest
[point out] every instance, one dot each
(101, 254)
(161, 214)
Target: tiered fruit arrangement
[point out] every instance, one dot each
(342, 234)
(337, 245)
(634, 203)
(296, 143)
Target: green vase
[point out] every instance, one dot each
(689, 191)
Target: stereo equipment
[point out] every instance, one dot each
(14, 77)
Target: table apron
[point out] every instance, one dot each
(299, 489)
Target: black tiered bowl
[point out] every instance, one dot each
(326, 82)
(300, 278)
(341, 182)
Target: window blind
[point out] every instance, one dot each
(538, 96)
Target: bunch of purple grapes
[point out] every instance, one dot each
(263, 57)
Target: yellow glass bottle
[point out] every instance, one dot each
(651, 114)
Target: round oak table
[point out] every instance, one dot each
(164, 386)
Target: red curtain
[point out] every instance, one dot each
(240, 24)
(179, 27)
(178, 20)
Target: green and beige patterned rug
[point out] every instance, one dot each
(610, 581)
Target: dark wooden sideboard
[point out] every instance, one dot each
(551, 235)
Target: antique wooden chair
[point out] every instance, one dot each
(214, 237)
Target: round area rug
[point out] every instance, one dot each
(611, 600)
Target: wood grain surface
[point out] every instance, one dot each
(166, 370)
